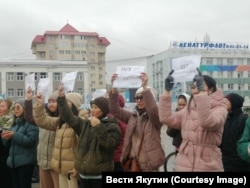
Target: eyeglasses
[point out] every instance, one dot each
(138, 98)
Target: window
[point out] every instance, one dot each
(248, 61)
(230, 87)
(57, 76)
(240, 61)
(229, 61)
(219, 74)
(239, 75)
(43, 75)
(11, 93)
(35, 75)
(219, 61)
(92, 68)
(209, 61)
(80, 91)
(19, 76)
(230, 74)
(20, 93)
(10, 76)
(79, 76)
(220, 86)
(209, 73)
(240, 87)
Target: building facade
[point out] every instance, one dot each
(68, 44)
(13, 73)
(228, 63)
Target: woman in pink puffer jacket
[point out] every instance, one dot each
(201, 123)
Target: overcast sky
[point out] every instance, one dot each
(135, 28)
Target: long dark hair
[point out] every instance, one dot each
(211, 84)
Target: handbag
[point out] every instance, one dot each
(131, 165)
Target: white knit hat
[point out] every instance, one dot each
(75, 98)
(140, 90)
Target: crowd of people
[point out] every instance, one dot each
(73, 146)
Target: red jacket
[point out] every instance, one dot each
(118, 151)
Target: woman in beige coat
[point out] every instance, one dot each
(63, 155)
(201, 124)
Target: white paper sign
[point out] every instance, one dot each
(99, 93)
(30, 82)
(68, 81)
(185, 68)
(43, 86)
(128, 76)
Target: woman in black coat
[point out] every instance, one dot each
(233, 130)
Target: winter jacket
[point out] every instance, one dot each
(5, 122)
(201, 125)
(96, 145)
(63, 155)
(244, 143)
(233, 130)
(45, 142)
(142, 132)
(23, 144)
(118, 150)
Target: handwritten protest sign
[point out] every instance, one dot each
(30, 82)
(128, 76)
(68, 81)
(185, 68)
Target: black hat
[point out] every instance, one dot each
(235, 100)
(102, 103)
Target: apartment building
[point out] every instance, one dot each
(69, 44)
(228, 63)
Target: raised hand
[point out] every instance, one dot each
(113, 77)
(144, 79)
(198, 78)
(169, 81)
(60, 90)
(28, 94)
